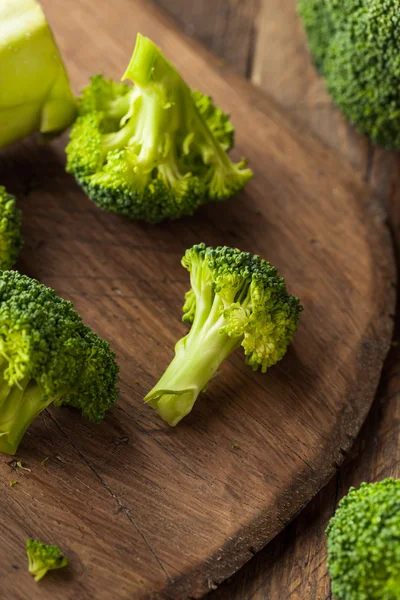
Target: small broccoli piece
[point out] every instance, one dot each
(34, 93)
(356, 47)
(10, 230)
(364, 543)
(236, 299)
(155, 151)
(47, 355)
(43, 558)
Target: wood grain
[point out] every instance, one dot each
(226, 27)
(148, 512)
(294, 564)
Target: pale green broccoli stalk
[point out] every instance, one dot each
(364, 543)
(10, 230)
(236, 299)
(34, 91)
(47, 355)
(356, 47)
(43, 558)
(155, 151)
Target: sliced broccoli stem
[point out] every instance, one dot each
(20, 404)
(156, 77)
(197, 358)
(143, 132)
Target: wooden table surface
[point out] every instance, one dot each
(264, 41)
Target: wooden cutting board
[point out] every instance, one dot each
(141, 510)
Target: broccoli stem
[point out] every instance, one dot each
(197, 358)
(158, 79)
(20, 404)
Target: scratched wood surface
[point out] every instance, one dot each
(293, 565)
(147, 512)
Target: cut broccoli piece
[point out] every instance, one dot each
(236, 299)
(34, 91)
(155, 151)
(364, 543)
(47, 355)
(10, 230)
(43, 558)
(356, 47)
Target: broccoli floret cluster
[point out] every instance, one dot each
(356, 47)
(236, 299)
(10, 230)
(364, 543)
(47, 355)
(155, 151)
(43, 558)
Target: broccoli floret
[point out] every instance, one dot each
(364, 543)
(236, 299)
(43, 558)
(47, 355)
(356, 47)
(10, 230)
(153, 151)
(34, 93)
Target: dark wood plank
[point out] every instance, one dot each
(226, 27)
(172, 512)
(283, 68)
(294, 564)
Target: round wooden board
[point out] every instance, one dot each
(144, 511)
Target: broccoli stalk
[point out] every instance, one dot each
(43, 558)
(35, 93)
(47, 356)
(198, 357)
(167, 108)
(154, 151)
(236, 299)
(20, 404)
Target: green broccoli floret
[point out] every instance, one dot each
(356, 47)
(155, 151)
(43, 558)
(10, 230)
(47, 355)
(364, 543)
(236, 299)
(34, 92)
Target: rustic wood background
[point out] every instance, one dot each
(264, 40)
(77, 450)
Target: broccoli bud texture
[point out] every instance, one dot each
(364, 543)
(356, 47)
(10, 230)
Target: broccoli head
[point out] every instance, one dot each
(153, 151)
(47, 355)
(10, 230)
(236, 299)
(43, 558)
(364, 543)
(356, 47)
(34, 92)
